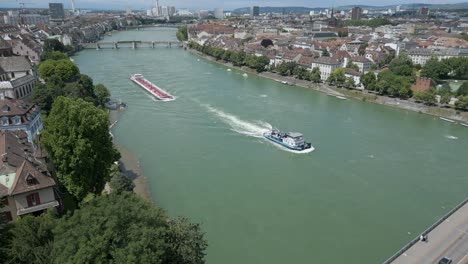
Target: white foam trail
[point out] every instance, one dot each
(253, 129)
(263, 95)
(451, 137)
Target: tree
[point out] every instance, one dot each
(66, 69)
(369, 80)
(300, 72)
(43, 96)
(435, 69)
(4, 234)
(121, 183)
(314, 75)
(122, 228)
(53, 55)
(350, 83)
(185, 243)
(257, 63)
(427, 97)
(325, 53)
(362, 49)
(445, 98)
(182, 34)
(77, 139)
(337, 77)
(63, 69)
(102, 94)
(266, 43)
(463, 89)
(53, 45)
(402, 65)
(462, 102)
(352, 66)
(32, 239)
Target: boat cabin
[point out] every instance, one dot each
(294, 139)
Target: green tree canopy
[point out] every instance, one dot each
(32, 239)
(121, 183)
(435, 69)
(102, 94)
(182, 34)
(369, 80)
(53, 55)
(77, 138)
(314, 75)
(337, 77)
(427, 97)
(122, 228)
(350, 83)
(463, 89)
(63, 69)
(462, 102)
(53, 45)
(401, 65)
(353, 66)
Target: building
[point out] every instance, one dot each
(26, 45)
(424, 11)
(128, 11)
(219, 13)
(363, 63)
(17, 77)
(19, 115)
(419, 56)
(56, 11)
(26, 19)
(356, 13)
(26, 186)
(422, 84)
(350, 73)
(326, 66)
(254, 11)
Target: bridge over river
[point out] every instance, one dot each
(130, 44)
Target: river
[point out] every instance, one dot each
(377, 178)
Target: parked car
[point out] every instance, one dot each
(445, 260)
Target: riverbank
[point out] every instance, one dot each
(130, 165)
(354, 94)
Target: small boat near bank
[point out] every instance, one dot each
(341, 97)
(151, 88)
(446, 119)
(290, 140)
(463, 124)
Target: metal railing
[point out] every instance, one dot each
(425, 232)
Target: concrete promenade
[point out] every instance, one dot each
(449, 238)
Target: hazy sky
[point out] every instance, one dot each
(211, 4)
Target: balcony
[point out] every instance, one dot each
(36, 208)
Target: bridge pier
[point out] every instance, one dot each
(97, 46)
(170, 44)
(134, 45)
(116, 46)
(152, 44)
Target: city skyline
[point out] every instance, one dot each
(211, 4)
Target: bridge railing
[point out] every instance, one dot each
(425, 232)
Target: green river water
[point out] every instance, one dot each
(377, 178)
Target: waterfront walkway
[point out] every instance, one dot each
(449, 238)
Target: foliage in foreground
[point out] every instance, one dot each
(77, 138)
(116, 228)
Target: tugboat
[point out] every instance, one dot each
(291, 140)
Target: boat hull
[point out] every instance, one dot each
(153, 90)
(269, 137)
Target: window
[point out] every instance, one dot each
(12, 75)
(7, 216)
(33, 199)
(5, 121)
(5, 108)
(30, 180)
(17, 120)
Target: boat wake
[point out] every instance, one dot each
(253, 129)
(451, 137)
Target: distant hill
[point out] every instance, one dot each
(301, 9)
